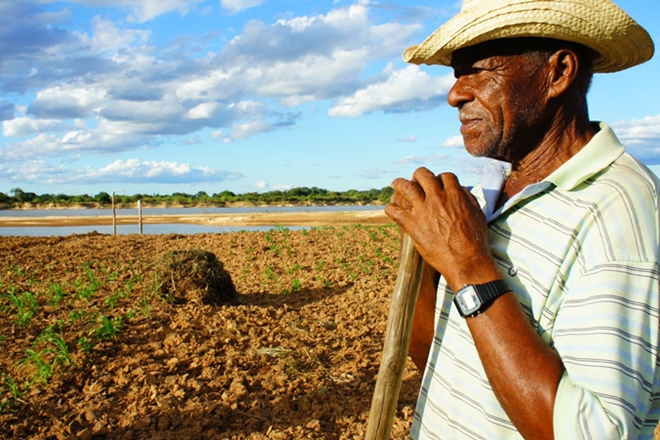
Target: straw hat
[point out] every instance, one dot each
(598, 24)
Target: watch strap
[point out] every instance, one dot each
(489, 291)
(486, 293)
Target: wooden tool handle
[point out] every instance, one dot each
(397, 340)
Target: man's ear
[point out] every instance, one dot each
(563, 72)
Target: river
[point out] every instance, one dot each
(168, 228)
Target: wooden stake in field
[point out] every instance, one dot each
(140, 215)
(397, 340)
(114, 215)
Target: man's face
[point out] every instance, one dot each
(500, 99)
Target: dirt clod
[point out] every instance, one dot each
(195, 275)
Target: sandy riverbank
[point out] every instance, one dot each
(245, 219)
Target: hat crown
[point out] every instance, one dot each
(467, 4)
(618, 41)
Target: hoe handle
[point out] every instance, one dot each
(397, 340)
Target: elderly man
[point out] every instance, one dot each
(538, 315)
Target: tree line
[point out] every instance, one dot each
(18, 198)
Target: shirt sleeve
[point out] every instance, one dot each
(606, 333)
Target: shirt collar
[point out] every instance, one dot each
(603, 149)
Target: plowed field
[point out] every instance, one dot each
(92, 347)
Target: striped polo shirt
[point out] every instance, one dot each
(580, 251)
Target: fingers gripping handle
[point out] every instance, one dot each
(397, 340)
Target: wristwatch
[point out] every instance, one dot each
(475, 298)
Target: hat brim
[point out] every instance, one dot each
(600, 25)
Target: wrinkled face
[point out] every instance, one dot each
(501, 100)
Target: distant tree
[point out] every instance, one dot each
(299, 192)
(23, 196)
(223, 197)
(386, 194)
(103, 198)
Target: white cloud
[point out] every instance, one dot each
(74, 142)
(404, 90)
(204, 110)
(24, 126)
(641, 137)
(136, 171)
(108, 36)
(453, 142)
(412, 138)
(239, 5)
(67, 102)
(248, 129)
(112, 89)
(141, 10)
(261, 184)
(420, 160)
(33, 171)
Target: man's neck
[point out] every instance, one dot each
(561, 142)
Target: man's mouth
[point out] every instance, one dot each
(468, 123)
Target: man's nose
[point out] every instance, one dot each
(460, 92)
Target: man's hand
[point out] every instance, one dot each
(446, 224)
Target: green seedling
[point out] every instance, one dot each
(79, 316)
(87, 291)
(44, 370)
(14, 391)
(296, 285)
(270, 273)
(109, 328)
(26, 307)
(58, 347)
(145, 307)
(56, 293)
(85, 344)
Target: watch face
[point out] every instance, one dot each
(468, 300)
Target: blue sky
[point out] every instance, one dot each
(163, 96)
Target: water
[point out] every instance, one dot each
(177, 228)
(177, 211)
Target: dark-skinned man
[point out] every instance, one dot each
(539, 311)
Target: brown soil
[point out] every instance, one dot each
(295, 357)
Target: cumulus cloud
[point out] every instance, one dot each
(34, 172)
(111, 89)
(453, 142)
(407, 139)
(405, 90)
(137, 171)
(641, 137)
(420, 159)
(7, 110)
(119, 171)
(141, 10)
(235, 6)
(116, 81)
(24, 126)
(75, 142)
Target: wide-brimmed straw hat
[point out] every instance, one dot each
(617, 39)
